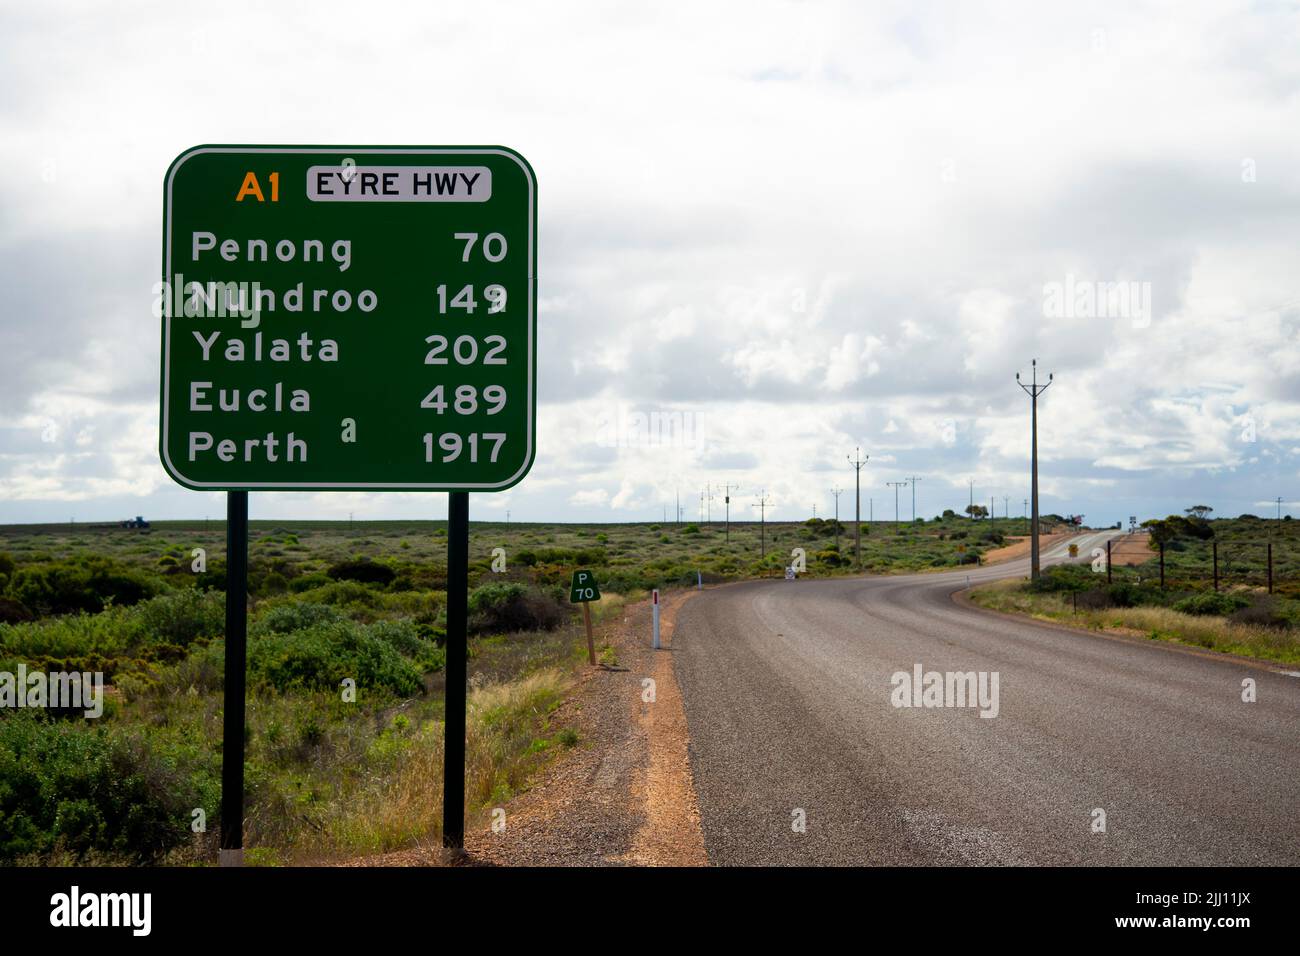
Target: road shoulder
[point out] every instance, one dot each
(963, 599)
(624, 794)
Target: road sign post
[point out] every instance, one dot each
(584, 589)
(233, 684)
(456, 667)
(348, 318)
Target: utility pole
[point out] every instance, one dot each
(1025, 512)
(761, 505)
(1279, 514)
(896, 485)
(992, 513)
(1033, 390)
(678, 519)
(871, 510)
(913, 480)
(1006, 507)
(836, 492)
(857, 461)
(726, 499)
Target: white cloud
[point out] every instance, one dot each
(824, 225)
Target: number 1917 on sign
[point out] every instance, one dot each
(453, 445)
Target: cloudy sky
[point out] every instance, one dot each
(770, 232)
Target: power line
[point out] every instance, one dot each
(837, 492)
(914, 480)
(857, 462)
(1033, 390)
(896, 485)
(726, 496)
(761, 505)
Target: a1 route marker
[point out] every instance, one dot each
(583, 589)
(341, 318)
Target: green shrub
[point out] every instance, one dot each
(307, 582)
(322, 655)
(68, 787)
(367, 572)
(1065, 577)
(183, 616)
(345, 594)
(1125, 595)
(1262, 611)
(13, 612)
(81, 584)
(284, 618)
(1211, 603)
(506, 607)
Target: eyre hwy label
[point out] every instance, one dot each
(348, 318)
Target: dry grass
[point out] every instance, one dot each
(508, 724)
(1157, 623)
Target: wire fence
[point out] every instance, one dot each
(1269, 564)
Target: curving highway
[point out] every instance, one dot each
(800, 756)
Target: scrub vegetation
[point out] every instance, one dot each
(332, 602)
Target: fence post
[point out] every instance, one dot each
(1162, 565)
(1215, 547)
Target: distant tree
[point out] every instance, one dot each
(1160, 530)
(977, 511)
(1164, 530)
(949, 513)
(1199, 511)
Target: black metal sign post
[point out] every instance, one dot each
(232, 724)
(453, 753)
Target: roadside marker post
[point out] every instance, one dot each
(583, 589)
(699, 579)
(347, 318)
(655, 598)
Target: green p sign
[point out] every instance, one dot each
(348, 318)
(583, 588)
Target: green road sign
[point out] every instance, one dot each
(583, 587)
(349, 317)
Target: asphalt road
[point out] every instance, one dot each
(787, 689)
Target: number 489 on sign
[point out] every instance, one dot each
(453, 445)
